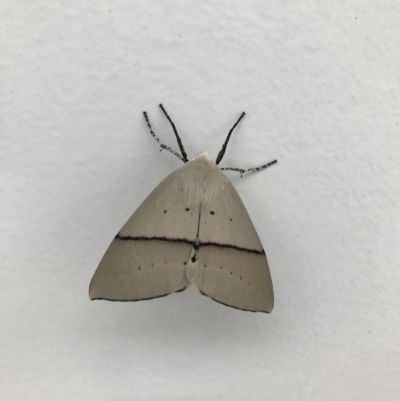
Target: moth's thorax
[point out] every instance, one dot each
(201, 180)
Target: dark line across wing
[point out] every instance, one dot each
(138, 238)
(187, 241)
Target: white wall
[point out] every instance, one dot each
(320, 83)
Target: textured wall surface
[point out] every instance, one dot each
(320, 83)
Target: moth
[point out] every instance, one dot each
(193, 228)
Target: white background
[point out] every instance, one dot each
(320, 82)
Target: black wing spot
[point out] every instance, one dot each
(187, 209)
(231, 273)
(240, 278)
(184, 263)
(211, 212)
(165, 211)
(205, 265)
(230, 218)
(194, 258)
(139, 268)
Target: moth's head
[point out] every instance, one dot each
(203, 156)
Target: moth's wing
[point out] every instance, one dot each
(148, 256)
(233, 267)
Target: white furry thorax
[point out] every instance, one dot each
(201, 180)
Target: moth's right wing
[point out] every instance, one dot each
(233, 267)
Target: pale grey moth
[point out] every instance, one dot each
(192, 229)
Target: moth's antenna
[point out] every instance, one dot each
(222, 151)
(249, 170)
(158, 140)
(185, 159)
